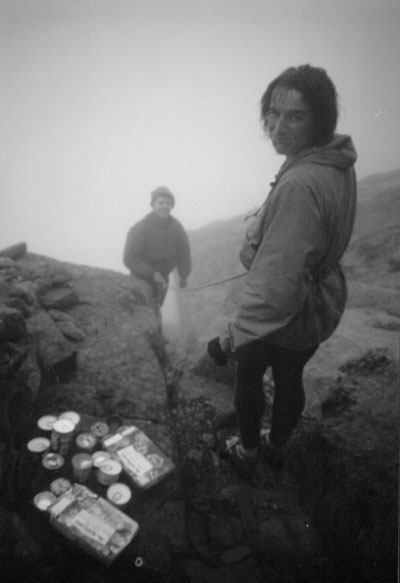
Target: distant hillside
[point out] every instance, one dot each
(383, 181)
(372, 262)
(215, 250)
(375, 245)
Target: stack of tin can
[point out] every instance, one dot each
(62, 435)
(56, 439)
(65, 436)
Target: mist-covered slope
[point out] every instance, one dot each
(375, 245)
(215, 250)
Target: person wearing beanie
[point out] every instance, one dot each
(162, 191)
(158, 244)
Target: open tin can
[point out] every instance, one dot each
(44, 500)
(119, 494)
(46, 423)
(53, 461)
(86, 442)
(82, 463)
(72, 416)
(109, 472)
(38, 447)
(61, 435)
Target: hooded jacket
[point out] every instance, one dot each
(157, 244)
(295, 292)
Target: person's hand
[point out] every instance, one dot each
(182, 283)
(158, 278)
(215, 351)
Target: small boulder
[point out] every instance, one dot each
(15, 252)
(12, 324)
(29, 372)
(18, 304)
(11, 357)
(67, 325)
(9, 269)
(59, 299)
(52, 347)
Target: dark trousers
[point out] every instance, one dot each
(289, 399)
(159, 292)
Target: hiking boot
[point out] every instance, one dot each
(273, 454)
(244, 465)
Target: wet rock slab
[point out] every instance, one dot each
(117, 376)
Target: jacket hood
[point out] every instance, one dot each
(339, 153)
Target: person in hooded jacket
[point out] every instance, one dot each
(157, 244)
(295, 292)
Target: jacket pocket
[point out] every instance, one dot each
(251, 242)
(319, 316)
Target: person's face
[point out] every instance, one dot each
(290, 126)
(162, 206)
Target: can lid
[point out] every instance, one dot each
(85, 440)
(82, 461)
(60, 485)
(71, 416)
(44, 499)
(52, 461)
(119, 493)
(111, 467)
(99, 457)
(46, 422)
(63, 426)
(38, 444)
(99, 429)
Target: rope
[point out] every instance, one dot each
(211, 284)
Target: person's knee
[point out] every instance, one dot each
(289, 396)
(249, 397)
(298, 404)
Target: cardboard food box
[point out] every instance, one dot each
(142, 460)
(92, 523)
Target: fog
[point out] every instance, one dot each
(103, 100)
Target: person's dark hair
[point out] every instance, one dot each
(317, 90)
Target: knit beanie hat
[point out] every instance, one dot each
(162, 191)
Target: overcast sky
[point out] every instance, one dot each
(103, 100)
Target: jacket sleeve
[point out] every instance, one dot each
(133, 253)
(275, 287)
(184, 262)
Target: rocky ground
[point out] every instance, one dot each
(325, 514)
(91, 340)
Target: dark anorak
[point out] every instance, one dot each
(157, 244)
